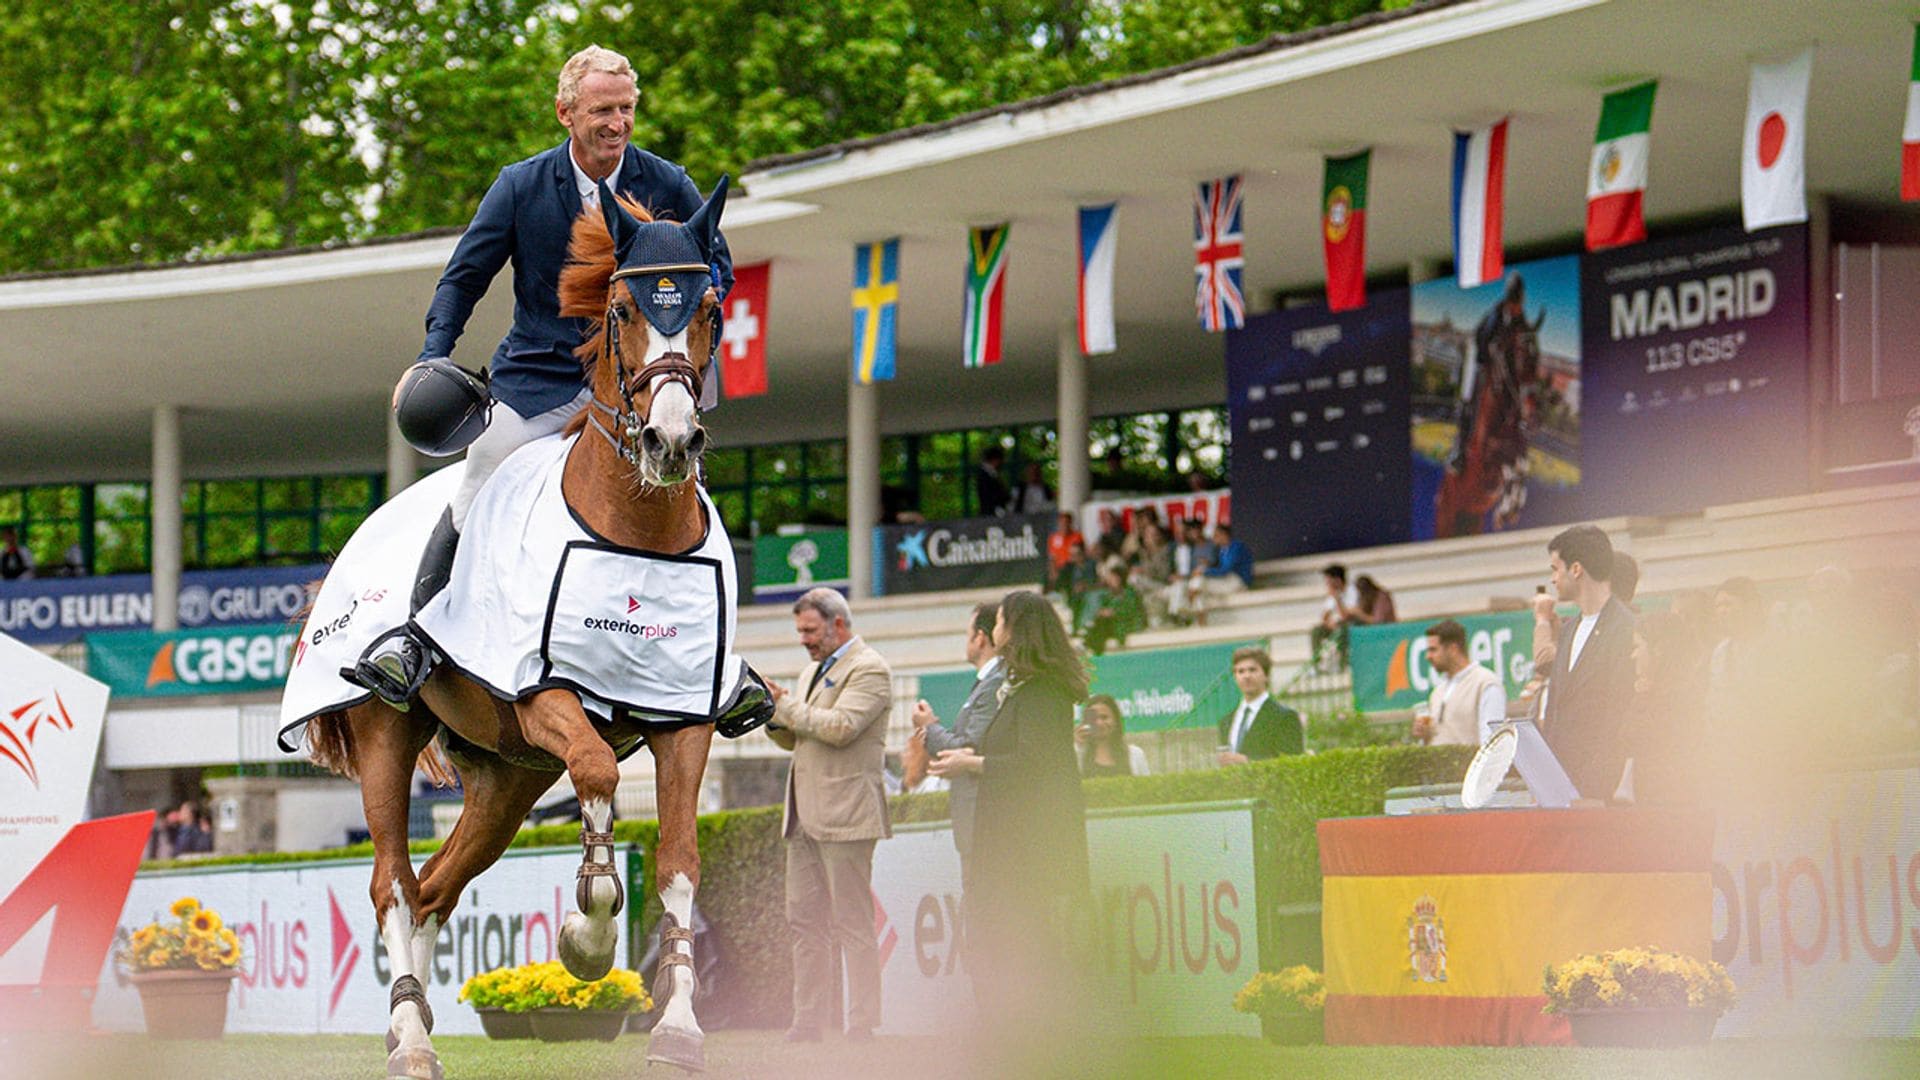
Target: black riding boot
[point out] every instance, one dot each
(397, 665)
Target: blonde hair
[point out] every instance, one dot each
(588, 61)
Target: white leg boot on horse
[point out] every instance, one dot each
(410, 1022)
(680, 759)
(554, 721)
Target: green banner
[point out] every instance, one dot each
(1390, 669)
(214, 660)
(1158, 689)
(786, 566)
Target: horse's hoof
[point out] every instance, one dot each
(685, 1049)
(414, 1063)
(582, 960)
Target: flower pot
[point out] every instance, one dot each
(571, 1025)
(498, 1023)
(1642, 1027)
(184, 1004)
(1293, 1028)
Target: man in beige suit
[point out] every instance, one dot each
(836, 726)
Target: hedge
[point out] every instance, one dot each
(743, 862)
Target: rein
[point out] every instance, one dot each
(673, 366)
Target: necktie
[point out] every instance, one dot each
(1240, 725)
(819, 673)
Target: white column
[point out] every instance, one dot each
(403, 465)
(165, 509)
(1075, 478)
(863, 484)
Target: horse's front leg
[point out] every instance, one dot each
(680, 761)
(554, 721)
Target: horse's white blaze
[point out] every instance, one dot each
(397, 933)
(677, 898)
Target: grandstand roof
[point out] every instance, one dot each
(284, 362)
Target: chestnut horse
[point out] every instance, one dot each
(1492, 468)
(634, 485)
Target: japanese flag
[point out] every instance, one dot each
(1773, 166)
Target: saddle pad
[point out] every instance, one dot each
(617, 613)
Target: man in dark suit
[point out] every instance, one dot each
(1260, 727)
(1590, 689)
(527, 218)
(990, 482)
(968, 725)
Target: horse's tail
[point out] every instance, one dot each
(330, 746)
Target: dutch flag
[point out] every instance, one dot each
(1479, 170)
(1096, 280)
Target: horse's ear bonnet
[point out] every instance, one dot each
(668, 266)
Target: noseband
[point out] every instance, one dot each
(673, 366)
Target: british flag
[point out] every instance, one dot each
(1217, 255)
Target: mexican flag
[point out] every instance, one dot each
(986, 292)
(1910, 138)
(1617, 174)
(1343, 230)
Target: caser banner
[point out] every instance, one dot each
(214, 661)
(53, 611)
(314, 961)
(1176, 928)
(1389, 660)
(966, 554)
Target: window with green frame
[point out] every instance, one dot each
(273, 520)
(48, 519)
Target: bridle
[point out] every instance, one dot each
(673, 366)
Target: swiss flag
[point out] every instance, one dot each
(743, 340)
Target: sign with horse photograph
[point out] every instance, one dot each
(1496, 401)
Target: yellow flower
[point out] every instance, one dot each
(204, 922)
(159, 958)
(143, 937)
(184, 907)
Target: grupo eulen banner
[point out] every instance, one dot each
(52, 611)
(217, 660)
(1389, 660)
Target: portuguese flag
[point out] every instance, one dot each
(1617, 175)
(1910, 137)
(1343, 230)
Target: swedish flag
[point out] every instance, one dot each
(876, 303)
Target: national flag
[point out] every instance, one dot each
(1773, 164)
(743, 334)
(1097, 243)
(1479, 184)
(1218, 256)
(1617, 172)
(1343, 229)
(1910, 137)
(876, 303)
(986, 289)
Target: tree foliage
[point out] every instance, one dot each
(176, 129)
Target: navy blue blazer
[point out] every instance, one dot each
(527, 216)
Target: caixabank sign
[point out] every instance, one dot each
(965, 554)
(212, 661)
(314, 961)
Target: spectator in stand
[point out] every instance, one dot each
(989, 482)
(1060, 544)
(930, 738)
(1190, 561)
(1078, 578)
(1153, 570)
(1589, 695)
(1144, 517)
(1260, 728)
(1341, 595)
(1468, 700)
(1102, 739)
(1032, 495)
(1229, 572)
(1375, 606)
(1112, 612)
(15, 561)
(189, 837)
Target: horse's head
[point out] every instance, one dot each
(648, 286)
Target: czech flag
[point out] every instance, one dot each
(1479, 180)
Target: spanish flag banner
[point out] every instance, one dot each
(1436, 928)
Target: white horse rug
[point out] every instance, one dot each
(536, 601)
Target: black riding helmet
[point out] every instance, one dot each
(441, 407)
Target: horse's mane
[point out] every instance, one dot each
(583, 283)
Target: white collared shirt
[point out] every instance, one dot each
(1244, 720)
(588, 187)
(985, 669)
(1580, 635)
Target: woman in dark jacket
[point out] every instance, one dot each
(1030, 830)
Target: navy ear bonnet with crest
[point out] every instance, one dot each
(668, 266)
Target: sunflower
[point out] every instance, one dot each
(159, 958)
(143, 937)
(204, 921)
(184, 907)
(229, 954)
(228, 938)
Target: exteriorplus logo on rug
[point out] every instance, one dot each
(625, 626)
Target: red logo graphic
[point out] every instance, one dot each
(633, 605)
(883, 929)
(18, 749)
(346, 952)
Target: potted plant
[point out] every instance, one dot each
(1638, 997)
(183, 969)
(554, 1005)
(1288, 1003)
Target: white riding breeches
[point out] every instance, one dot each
(506, 432)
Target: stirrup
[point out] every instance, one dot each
(752, 707)
(589, 869)
(382, 668)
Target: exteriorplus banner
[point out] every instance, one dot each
(1389, 660)
(1318, 407)
(966, 554)
(1696, 371)
(220, 660)
(54, 611)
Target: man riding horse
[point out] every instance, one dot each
(1487, 468)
